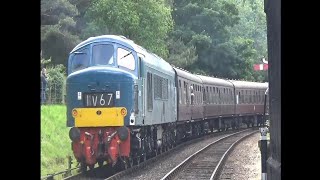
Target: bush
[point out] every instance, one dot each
(56, 84)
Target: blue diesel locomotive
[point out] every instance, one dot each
(126, 104)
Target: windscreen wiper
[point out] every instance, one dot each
(126, 55)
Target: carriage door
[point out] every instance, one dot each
(192, 100)
(188, 101)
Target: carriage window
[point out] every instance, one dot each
(255, 97)
(179, 91)
(232, 96)
(149, 91)
(204, 94)
(126, 59)
(102, 54)
(228, 96)
(214, 99)
(224, 96)
(184, 92)
(80, 60)
(219, 91)
(187, 93)
(242, 97)
(245, 96)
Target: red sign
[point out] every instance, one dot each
(260, 67)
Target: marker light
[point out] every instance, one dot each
(123, 111)
(74, 112)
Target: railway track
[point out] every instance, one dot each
(106, 172)
(207, 162)
(143, 168)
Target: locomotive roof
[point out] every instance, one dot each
(215, 81)
(112, 38)
(187, 75)
(247, 84)
(155, 61)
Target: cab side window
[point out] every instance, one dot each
(125, 59)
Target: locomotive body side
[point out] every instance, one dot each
(158, 79)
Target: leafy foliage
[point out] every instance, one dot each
(147, 22)
(56, 83)
(181, 55)
(218, 31)
(215, 37)
(58, 31)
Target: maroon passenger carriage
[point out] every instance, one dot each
(249, 102)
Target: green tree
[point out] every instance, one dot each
(252, 26)
(147, 22)
(56, 83)
(203, 24)
(181, 55)
(58, 31)
(227, 44)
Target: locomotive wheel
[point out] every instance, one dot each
(144, 157)
(138, 160)
(91, 166)
(83, 167)
(130, 162)
(100, 162)
(122, 163)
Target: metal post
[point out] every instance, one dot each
(68, 171)
(265, 107)
(263, 143)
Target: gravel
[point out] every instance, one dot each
(161, 167)
(244, 162)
